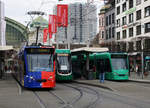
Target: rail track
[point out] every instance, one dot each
(72, 102)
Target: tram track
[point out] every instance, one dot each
(76, 99)
(40, 101)
(72, 103)
(93, 92)
(68, 104)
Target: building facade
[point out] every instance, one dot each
(132, 21)
(102, 26)
(107, 25)
(82, 25)
(132, 32)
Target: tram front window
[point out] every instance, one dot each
(40, 62)
(119, 63)
(63, 63)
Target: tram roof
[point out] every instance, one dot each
(62, 51)
(89, 50)
(39, 47)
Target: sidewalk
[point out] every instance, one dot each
(138, 78)
(111, 85)
(10, 97)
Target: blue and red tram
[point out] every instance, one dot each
(34, 67)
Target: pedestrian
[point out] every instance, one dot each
(137, 70)
(102, 72)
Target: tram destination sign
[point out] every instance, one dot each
(63, 54)
(39, 51)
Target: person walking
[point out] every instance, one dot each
(137, 70)
(102, 72)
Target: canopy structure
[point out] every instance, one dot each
(89, 50)
(5, 48)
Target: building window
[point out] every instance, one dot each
(138, 30)
(124, 20)
(102, 22)
(113, 32)
(130, 4)
(102, 34)
(124, 7)
(106, 34)
(138, 2)
(138, 15)
(118, 10)
(124, 33)
(147, 11)
(147, 27)
(113, 18)
(118, 22)
(109, 32)
(131, 32)
(109, 19)
(118, 35)
(118, 1)
(131, 18)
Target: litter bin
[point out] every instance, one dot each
(90, 75)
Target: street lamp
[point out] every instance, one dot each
(37, 26)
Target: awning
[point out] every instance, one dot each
(5, 48)
(132, 39)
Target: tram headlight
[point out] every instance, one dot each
(31, 77)
(50, 77)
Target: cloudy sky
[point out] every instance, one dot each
(17, 9)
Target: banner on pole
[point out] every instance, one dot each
(62, 15)
(45, 32)
(50, 35)
(52, 26)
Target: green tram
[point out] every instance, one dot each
(115, 65)
(63, 65)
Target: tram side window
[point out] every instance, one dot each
(105, 64)
(23, 66)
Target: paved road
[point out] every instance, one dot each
(72, 95)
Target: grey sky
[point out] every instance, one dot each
(17, 9)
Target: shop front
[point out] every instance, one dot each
(5, 54)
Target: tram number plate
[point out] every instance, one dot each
(41, 80)
(63, 67)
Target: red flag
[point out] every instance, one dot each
(50, 35)
(62, 15)
(52, 26)
(45, 32)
